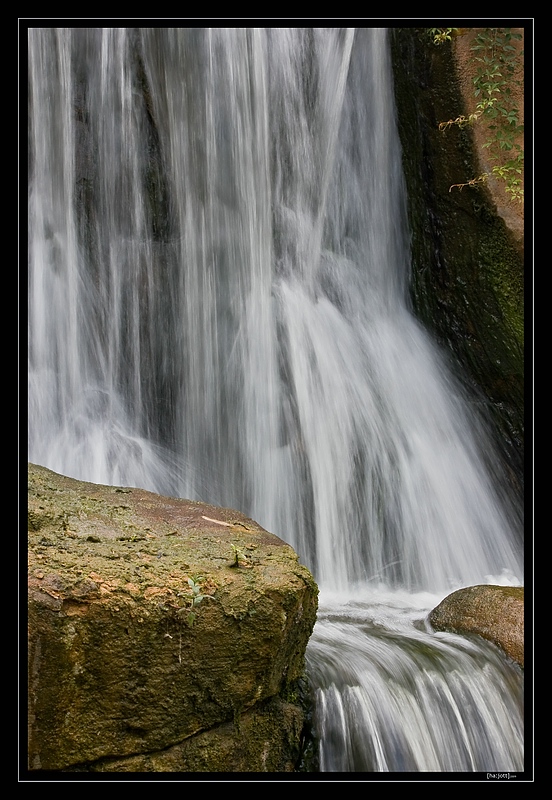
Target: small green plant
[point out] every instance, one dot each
(497, 59)
(196, 585)
(240, 559)
(442, 35)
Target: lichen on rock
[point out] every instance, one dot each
(118, 667)
(495, 613)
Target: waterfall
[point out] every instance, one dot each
(218, 310)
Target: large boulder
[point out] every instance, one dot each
(494, 612)
(164, 634)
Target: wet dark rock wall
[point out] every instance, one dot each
(468, 272)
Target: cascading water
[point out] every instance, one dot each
(218, 310)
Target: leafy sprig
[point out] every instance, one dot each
(497, 58)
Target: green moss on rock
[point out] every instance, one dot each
(115, 667)
(266, 738)
(467, 266)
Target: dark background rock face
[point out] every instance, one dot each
(494, 612)
(116, 670)
(468, 271)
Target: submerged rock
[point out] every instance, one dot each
(154, 621)
(494, 612)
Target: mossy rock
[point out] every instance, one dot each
(495, 613)
(117, 667)
(267, 738)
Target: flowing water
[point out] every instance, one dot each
(218, 310)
